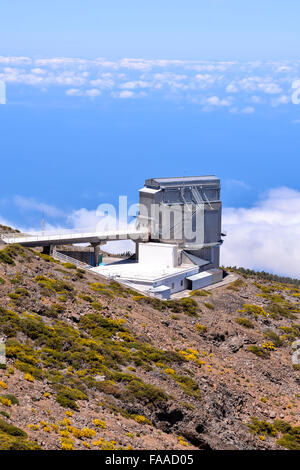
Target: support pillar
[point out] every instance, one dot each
(96, 247)
(137, 251)
(47, 250)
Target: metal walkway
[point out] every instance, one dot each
(70, 237)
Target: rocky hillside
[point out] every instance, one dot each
(93, 365)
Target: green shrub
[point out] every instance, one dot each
(29, 369)
(187, 305)
(22, 291)
(2, 281)
(289, 442)
(271, 335)
(283, 310)
(8, 442)
(14, 296)
(282, 426)
(254, 310)
(67, 397)
(54, 284)
(264, 288)
(69, 265)
(102, 289)
(16, 279)
(10, 429)
(236, 285)
(262, 428)
(146, 393)
(96, 305)
(200, 293)
(209, 305)
(45, 257)
(189, 386)
(5, 257)
(244, 322)
(85, 297)
(259, 351)
(52, 311)
(201, 328)
(10, 252)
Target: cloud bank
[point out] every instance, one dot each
(212, 85)
(266, 236)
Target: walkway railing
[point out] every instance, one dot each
(68, 259)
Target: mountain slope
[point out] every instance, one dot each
(91, 364)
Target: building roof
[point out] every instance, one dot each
(202, 275)
(182, 180)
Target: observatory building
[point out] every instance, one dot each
(183, 219)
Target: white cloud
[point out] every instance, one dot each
(73, 92)
(256, 83)
(124, 94)
(216, 101)
(236, 183)
(282, 99)
(92, 93)
(105, 81)
(15, 60)
(266, 236)
(232, 88)
(38, 71)
(31, 204)
(256, 99)
(135, 84)
(248, 110)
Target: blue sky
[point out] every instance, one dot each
(101, 95)
(214, 29)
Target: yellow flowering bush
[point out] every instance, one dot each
(80, 433)
(67, 444)
(182, 441)
(141, 419)
(269, 345)
(169, 371)
(190, 354)
(5, 401)
(105, 445)
(34, 427)
(99, 423)
(29, 377)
